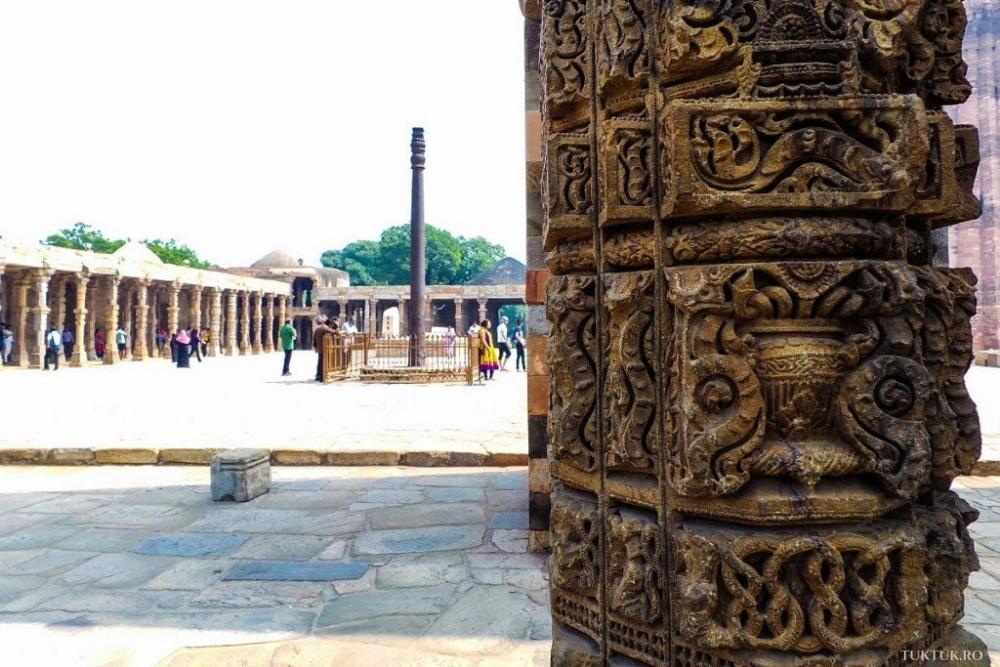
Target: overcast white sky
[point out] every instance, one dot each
(241, 126)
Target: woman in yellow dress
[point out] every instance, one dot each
(489, 360)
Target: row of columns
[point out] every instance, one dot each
(39, 302)
(369, 313)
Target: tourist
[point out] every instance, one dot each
(449, 342)
(100, 342)
(121, 339)
(183, 346)
(67, 342)
(503, 342)
(519, 343)
(195, 337)
(204, 342)
(161, 340)
(319, 335)
(53, 339)
(487, 353)
(473, 329)
(287, 336)
(173, 347)
(6, 343)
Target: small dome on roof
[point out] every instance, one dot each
(133, 251)
(277, 259)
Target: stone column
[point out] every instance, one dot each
(57, 299)
(231, 323)
(93, 309)
(21, 327)
(342, 310)
(111, 285)
(38, 316)
(128, 317)
(153, 323)
(371, 306)
(482, 309)
(80, 311)
(215, 321)
(245, 324)
(173, 314)
(459, 316)
(756, 411)
(140, 351)
(257, 345)
(196, 308)
(269, 325)
(282, 312)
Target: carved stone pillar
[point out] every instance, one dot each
(342, 310)
(153, 323)
(371, 313)
(111, 285)
(38, 316)
(757, 398)
(93, 312)
(22, 316)
(459, 316)
(231, 323)
(268, 330)
(196, 308)
(214, 321)
(257, 343)
(245, 324)
(482, 308)
(79, 357)
(57, 301)
(173, 314)
(282, 309)
(140, 351)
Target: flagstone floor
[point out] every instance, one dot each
(360, 566)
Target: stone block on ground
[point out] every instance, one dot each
(240, 474)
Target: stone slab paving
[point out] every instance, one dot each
(238, 392)
(98, 568)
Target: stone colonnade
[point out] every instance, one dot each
(92, 304)
(757, 401)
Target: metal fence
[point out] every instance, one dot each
(390, 359)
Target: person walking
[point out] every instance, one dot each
(195, 337)
(100, 343)
(161, 340)
(319, 336)
(6, 343)
(287, 336)
(53, 339)
(183, 349)
(519, 344)
(67, 342)
(449, 343)
(204, 342)
(487, 353)
(121, 339)
(503, 343)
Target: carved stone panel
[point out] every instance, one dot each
(575, 566)
(569, 188)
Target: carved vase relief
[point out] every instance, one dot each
(757, 403)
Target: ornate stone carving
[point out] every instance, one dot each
(757, 379)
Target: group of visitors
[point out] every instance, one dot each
(193, 340)
(495, 357)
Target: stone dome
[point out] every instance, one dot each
(276, 259)
(133, 251)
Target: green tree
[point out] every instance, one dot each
(82, 236)
(172, 252)
(451, 260)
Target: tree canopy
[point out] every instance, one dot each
(82, 236)
(451, 260)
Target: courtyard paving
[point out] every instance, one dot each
(335, 566)
(244, 402)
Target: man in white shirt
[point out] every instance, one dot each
(121, 338)
(53, 340)
(503, 343)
